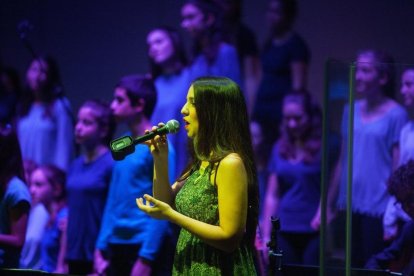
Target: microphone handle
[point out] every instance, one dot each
(150, 135)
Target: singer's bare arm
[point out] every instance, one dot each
(232, 203)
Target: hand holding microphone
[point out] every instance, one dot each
(123, 146)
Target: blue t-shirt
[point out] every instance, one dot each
(47, 139)
(226, 64)
(87, 189)
(372, 159)
(277, 76)
(123, 222)
(51, 241)
(171, 97)
(31, 256)
(299, 191)
(16, 194)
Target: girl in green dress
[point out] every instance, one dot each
(215, 201)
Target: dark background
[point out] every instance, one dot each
(96, 42)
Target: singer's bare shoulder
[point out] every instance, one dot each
(232, 159)
(232, 166)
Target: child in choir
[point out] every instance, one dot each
(285, 59)
(48, 187)
(88, 183)
(211, 55)
(215, 201)
(398, 257)
(293, 188)
(31, 256)
(168, 66)
(15, 199)
(378, 120)
(44, 123)
(130, 242)
(394, 215)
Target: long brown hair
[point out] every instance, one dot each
(179, 50)
(213, 33)
(224, 129)
(49, 92)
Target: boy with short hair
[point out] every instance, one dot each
(130, 241)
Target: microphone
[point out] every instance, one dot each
(123, 146)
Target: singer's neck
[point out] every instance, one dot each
(138, 126)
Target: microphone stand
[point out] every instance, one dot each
(275, 254)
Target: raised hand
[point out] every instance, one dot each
(159, 144)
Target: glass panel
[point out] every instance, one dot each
(338, 94)
(364, 113)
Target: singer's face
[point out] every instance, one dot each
(121, 106)
(367, 79)
(40, 188)
(160, 46)
(36, 75)
(407, 87)
(190, 115)
(87, 131)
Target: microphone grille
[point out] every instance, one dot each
(172, 126)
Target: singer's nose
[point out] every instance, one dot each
(184, 110)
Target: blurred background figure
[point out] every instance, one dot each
(238, 34)
(47, 186)
(44, 124)
(407, 133)
(211, 56)
(261, 153)
(31, 256)
(293, 189)
(168, 68)
(88, 183)
(398, 257)
(394, 216)
(378, 120)
(131, 242)
(285, 60)
(10, 92)
(15, 199)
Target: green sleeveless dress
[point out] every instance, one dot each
(198, 199)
